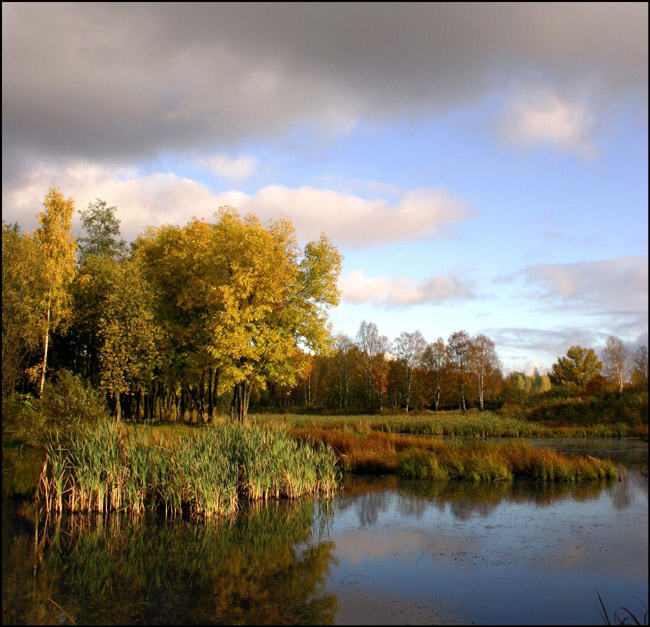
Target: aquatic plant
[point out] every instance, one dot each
(619, 619)
(208, 473)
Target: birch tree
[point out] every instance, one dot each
(459, 346)
(22, 297)
(483, 364)
(409, 348)
(616, 358)
(367, 342)
(57, 251)
(434, 362)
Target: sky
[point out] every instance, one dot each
(481, 167)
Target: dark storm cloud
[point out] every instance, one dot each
(110, 81)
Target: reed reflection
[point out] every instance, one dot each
(265, 567)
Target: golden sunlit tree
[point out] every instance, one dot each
(22, 291)
(241, 299)
(58, 262)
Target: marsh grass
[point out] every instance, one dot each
(206, 473)
(472, 424)
(438, 459)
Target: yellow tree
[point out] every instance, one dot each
(127, 333)
(240, 299)
(57, 252)
(274, 300)
(22, 290)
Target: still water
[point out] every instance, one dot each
(384, 551)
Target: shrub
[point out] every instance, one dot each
(71, 401)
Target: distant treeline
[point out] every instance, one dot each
(190, 321)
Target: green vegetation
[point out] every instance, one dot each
(107, 468)
(432, 458)
(470, 424)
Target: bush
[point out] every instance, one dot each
(67, 403)
(71, 401)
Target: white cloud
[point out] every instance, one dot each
(541, 116)
(160, 198)
(387, 291)
(350, 220)
(150, 200)
(612, 285)
(600, 298)
(234, 169)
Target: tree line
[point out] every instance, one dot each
(369, 373)
(188, 321)
(170, 325)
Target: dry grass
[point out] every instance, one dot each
(435, 458)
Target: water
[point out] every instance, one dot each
(384, 551)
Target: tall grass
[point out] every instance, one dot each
(434, 458)
(205, 474)
(460, 424)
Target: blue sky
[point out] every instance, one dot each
(480, 167)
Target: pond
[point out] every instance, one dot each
(384, 551)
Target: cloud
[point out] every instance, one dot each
(394, 292)
(520, 342)
(540, 116)
(353, 221)
(609, 296)
(156, 78)
(234, 169)
(161, 198)
(615, 286)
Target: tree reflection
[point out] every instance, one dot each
(119, 570)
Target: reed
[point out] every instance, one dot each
(438, 459)
(208, 473)
(472, 424)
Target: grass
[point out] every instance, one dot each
(459, 424)
(367, 451)
(208, 471)
(205, 474)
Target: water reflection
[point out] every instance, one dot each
(260, 569)
(371, 496)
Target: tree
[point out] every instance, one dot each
(409, 348)
(127, 333)
(368, 343)
(434, 363)
(57, 249)
(384, 346)
(579, 365)
(616, 357)
(344, 348)
(242, 299)
(103, 230)
(22, 296)
(484, 365)
(640, 367)
(459, 346)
